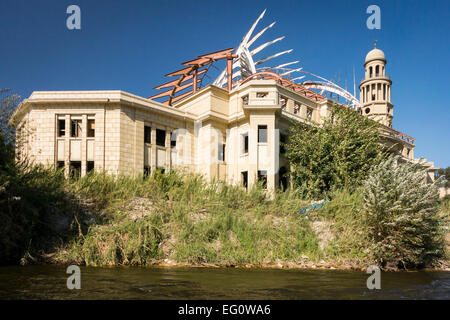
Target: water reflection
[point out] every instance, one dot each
(49, 282)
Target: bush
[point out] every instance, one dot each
(32, 201)
(336, 155)
(400, 209)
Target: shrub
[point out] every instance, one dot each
(335, 155)
(400, 209)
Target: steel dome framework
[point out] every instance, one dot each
(242, 65)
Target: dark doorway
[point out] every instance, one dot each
(75, 169)
(90, 166)
(244, 179)
(262, 176)
(283, 178)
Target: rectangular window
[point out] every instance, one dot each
(89, 166)
(147, 134)
(61, 128)
(245, 100)
(262, 94)
(221, 152)
(244, 178)
(91, 128)
(75, 128)
(147, 171)
(173, 140)
(75, 169)
(161, 138)
(283, 102)
(309, 113)
(262, 134)
(262, 177)
(245, 143)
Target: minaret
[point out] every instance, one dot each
(375, 88)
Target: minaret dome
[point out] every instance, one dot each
(375, 88)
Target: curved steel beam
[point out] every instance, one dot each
(332, 88)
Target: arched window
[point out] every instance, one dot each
(370, 72)
(377, 71)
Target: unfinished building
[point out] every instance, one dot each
(229, 129)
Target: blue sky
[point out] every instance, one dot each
(130, 45)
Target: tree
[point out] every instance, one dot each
(446, 173)
(400, 210)
(335, 155)
(8, 104)
(29, 195)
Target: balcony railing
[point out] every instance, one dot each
(388, 131)
(377, 77)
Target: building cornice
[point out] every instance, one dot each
(104, 97)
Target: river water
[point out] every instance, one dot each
(49, 282)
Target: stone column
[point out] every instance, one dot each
(252, 174)
(153, 155)
(67, 146)
(273, 144)
(290, 105)
(83, 144)
(303, 111)
(168, 150)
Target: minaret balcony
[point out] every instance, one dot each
(374, 77)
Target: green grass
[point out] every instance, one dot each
(189, 221)
(350, 241)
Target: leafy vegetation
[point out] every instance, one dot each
(29, 197)
(401, 212)
(336, 155)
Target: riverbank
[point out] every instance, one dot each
(179, 220)
(304, 265)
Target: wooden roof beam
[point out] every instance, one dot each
(181, 96)
(174, 82)
(177, 88)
